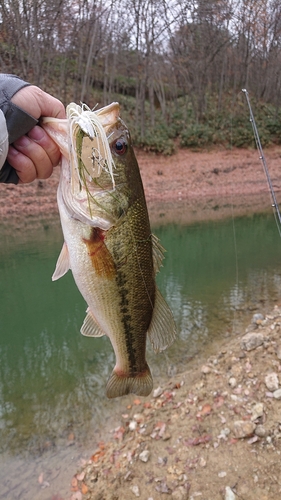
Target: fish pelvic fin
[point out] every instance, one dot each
(63, 264)
(162, 329)
(90, 328)
(120, 385)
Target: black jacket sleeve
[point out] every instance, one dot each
(18, 121)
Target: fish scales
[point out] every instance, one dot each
(108, 243)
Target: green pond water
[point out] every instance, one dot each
(52, 380)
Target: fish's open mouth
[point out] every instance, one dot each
(88, 166)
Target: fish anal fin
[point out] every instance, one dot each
(90, 328)
(120, 384)
(157, 253)
(101, 258)
(63, 264)
(162, 329)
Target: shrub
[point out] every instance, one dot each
(196, 136)
(156, 139)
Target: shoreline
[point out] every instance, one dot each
(182, 442)
(210, 432)
(187, 176)
(186, 187)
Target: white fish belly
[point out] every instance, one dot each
(100, 293)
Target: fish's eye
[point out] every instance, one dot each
(120, 146)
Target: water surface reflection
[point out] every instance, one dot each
(52, 380)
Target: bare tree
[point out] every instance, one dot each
(155, 50)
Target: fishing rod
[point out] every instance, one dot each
(274, 205)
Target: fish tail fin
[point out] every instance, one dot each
(120, 385)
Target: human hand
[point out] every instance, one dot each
(34, 155)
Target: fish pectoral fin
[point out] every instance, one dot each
(63, 264)
(162, 329)
(120, 385)
(157, 253)
(90, 328)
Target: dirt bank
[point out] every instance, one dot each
(200, 182)
(211, 433)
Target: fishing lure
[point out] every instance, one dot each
(89, 144)
(262, 158)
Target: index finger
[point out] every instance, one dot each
(49, 105)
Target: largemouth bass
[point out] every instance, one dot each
(108, 244)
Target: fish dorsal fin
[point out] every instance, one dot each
(63, 264)
(162, 329)
(90, 328)
(158, 253)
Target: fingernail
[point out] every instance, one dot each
(36, 133)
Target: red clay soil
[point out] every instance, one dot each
(200, 182)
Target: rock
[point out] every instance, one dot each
(260, 431)
(243, 428)
(229, 495)
(272, 381)
(144, 456)
(257, 318)
(138, 417)
(257, 411)
(180, 494)
(202, 462)
(166, 436)
(205, 369)
(251, 341)
(232, 382)
(135, 489)
(133, 425)
(253, 439)
(277, 394)
(224, 433)
(222, 474)
(157, 392)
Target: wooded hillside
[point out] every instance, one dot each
(177, 67)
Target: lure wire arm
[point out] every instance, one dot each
(262, 158)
